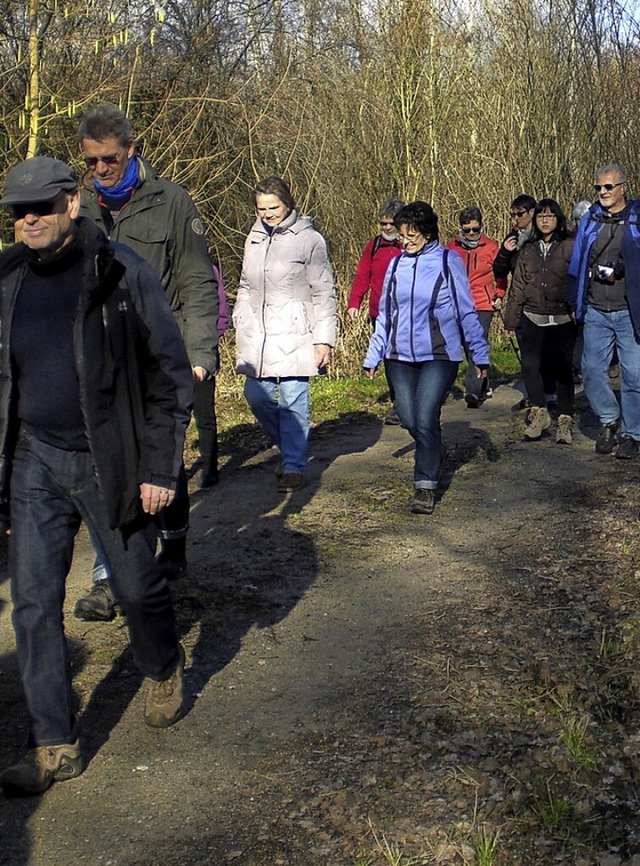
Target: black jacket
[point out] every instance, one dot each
(135, 377)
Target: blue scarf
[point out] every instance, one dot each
(124, 189)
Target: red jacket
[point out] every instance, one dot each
(479, 266)
(371, 271)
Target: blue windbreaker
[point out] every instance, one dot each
(426, 311)
(590, 225)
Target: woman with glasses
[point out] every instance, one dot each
(478, 252)
(285, 321)
(426, 315)
(537, 304)
(372, 267)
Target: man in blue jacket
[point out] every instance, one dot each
(606, 297)
(95, 397)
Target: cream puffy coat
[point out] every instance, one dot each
(286, 301)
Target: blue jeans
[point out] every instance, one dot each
(282, 408)
(51, 492)
(602, 333)
(420, 390)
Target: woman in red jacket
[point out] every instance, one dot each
(372, 267)
(478, 252)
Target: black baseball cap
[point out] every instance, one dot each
(40, 178)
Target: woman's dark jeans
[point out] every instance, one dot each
(420, 391)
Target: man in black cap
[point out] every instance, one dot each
(95, 396)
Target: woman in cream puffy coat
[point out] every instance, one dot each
(285, 322)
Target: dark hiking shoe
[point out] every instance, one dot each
(41, 767)
(607, 438)
(99, 605)
(392, 419)
(521, 405)
(291, 481)
(627, 449)
(472, 401)
(165, 700)
(424, 501)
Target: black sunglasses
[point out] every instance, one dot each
(37, 208)
(471, 231)
(110, 159)
(607, 186)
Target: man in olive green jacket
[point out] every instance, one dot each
(123, 195)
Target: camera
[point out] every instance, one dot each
(605, 271)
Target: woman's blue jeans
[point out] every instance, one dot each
(282, 408)
(51, 492)
(420, 391)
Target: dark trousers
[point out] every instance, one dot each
(553, 344)
(472, 384)
(420, 390)
(204, 412)
(51, 492)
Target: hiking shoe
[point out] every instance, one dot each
(472, 401)
(165, 700)
(99, 605)
(291, 481)
(392, 419)
(539, 420)
(41, 767)
(627, 449)
(607, 438)
(564, 433)
(424, 501)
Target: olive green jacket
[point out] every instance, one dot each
(160, 222)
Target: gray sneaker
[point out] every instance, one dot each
(424, 501)
(41, 767)
(99, 605)
(165, 700)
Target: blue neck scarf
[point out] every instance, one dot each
(120, 193)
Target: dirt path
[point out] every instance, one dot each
(359, 672)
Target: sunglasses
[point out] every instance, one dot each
(387, 223)
(607, 186)
(110, 159)
(37, 208)
(516, 214)
(471, 231)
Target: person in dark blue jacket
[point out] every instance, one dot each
(606, 297)
(426, 319)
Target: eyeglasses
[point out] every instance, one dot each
(37, 208)
(517, 214)
(409, 239)
(607, 186)
(471, 231)
(109, 159)
(387, 223)
(546, 216)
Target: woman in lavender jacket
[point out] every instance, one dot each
(426, 319)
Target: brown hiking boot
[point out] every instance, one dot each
(539, 420)
(41, 767)
(165, 700)
(564, 433)
(291, 481)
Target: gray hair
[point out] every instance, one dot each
(579, 209)
(105, 121)
(614, 168)
(390, 207)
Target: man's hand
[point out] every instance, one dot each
(199, 374)
(155, 498)
(496, 304)
(510, 243)
(353, 313)
(322, 355)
